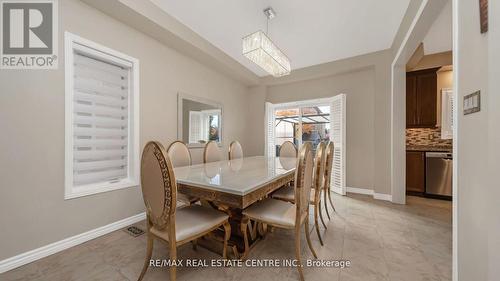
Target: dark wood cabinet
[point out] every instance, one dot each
(411, 101)
(415, 171)
(421, 98)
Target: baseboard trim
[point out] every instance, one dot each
(365, 191)
(381, 196)
(36, 254)
(360, 190)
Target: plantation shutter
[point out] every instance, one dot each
(100, 121)
(270, 149)
(195, 124)
(446, 114)
(337, 131)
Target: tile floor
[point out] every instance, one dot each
(383, 241)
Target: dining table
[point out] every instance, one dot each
(231, 186)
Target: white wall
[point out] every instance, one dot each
(33, 212)
(478, 145)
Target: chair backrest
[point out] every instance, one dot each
(288, 149)
(211, 153)
(303, 180)
(328, 164)
(319, 169)
(159, 189)
(179, 154)
(235, 150)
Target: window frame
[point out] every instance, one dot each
(95, 50)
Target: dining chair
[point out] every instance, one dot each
(288, 149)
(211, 152)
(179, 155)
(164, 222)
(287, 193)
(330, 148)
(235, 150)
(283, 214)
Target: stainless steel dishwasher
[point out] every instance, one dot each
(438, 174)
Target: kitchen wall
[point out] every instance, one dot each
(33, 211)
(477, 146)
(426, 137)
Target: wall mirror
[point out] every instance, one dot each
(199, 120)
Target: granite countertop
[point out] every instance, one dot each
(436, 148)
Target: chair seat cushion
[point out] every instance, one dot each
(287, 193)
(185, 200)
(192, 221)
(272, 211)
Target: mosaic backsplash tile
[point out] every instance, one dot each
(420, 136)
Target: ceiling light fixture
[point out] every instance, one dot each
(258, 48)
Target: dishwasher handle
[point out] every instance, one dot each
(438, 155)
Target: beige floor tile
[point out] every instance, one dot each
(383, 241)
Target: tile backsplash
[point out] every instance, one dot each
(420, 136)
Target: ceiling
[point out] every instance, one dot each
(439, 38)
(308, 32)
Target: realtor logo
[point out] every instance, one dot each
(29, 34)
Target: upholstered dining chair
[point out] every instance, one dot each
(283, 214)
(235, 150)
(288, 149)
(328, 175)
(287, 193)
(211, 152)
(164, 221)
(179, 155)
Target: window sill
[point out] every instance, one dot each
(86, 190)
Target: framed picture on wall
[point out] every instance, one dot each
(483, 15)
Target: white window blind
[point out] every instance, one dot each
(101, 119)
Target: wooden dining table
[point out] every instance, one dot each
(233, 185)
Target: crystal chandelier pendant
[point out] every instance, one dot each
(258, 48)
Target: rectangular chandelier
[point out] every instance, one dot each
(258, 48)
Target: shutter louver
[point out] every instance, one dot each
(195, 127)
(100, 121)
(270, 149)
(337, 130)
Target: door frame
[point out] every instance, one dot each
(309, 103)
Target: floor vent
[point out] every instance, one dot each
(134, 231)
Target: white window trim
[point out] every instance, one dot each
(74, 42)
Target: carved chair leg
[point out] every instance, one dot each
(244, 223)
(252, 229)
(262, 228)
(308, 237)
(173, 258)
(227, 232)
(316, 224)
(326, 206)
(330, 199)
(321, 215)
(297, 252)
(149, 253)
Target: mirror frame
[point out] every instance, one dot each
(180, 122)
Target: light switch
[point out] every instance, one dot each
(472, 103)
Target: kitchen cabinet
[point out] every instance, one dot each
(415, 171)
(421, 98)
